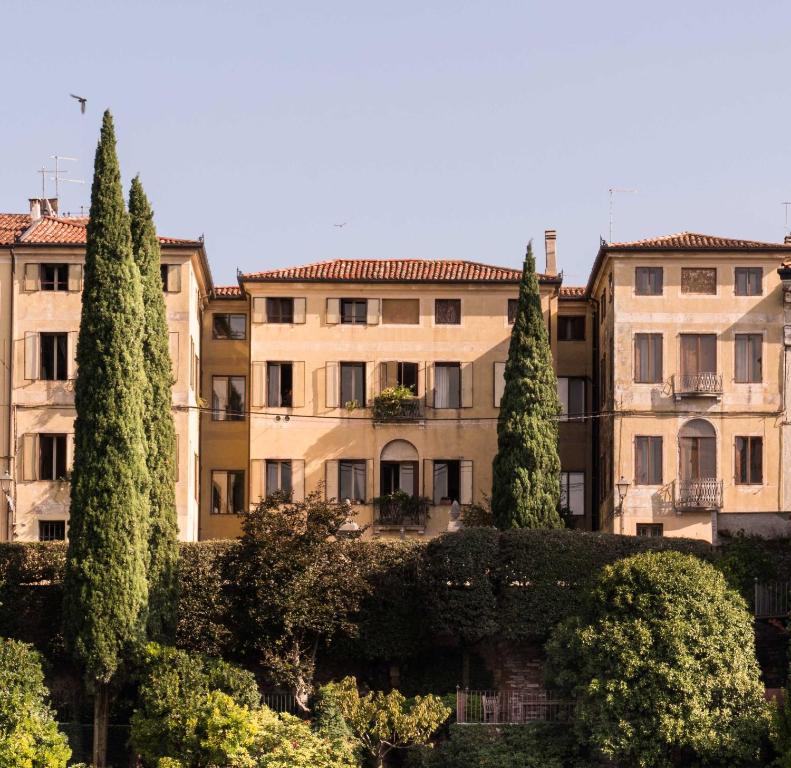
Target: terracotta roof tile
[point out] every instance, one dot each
(55, 230)
(227, 292)
(572, 292)
(393, 270)
(696, 242)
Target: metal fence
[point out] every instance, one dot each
(772, 599)
(281, 701)
(511, 707)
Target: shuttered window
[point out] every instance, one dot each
(749, 460)
(749, 358)
(648, 358)
(648, 460)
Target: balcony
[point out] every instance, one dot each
(703, 494)
(400, 510)
(388, 408)
(697, 385)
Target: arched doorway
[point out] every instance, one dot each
(398, 468)
(697, 453)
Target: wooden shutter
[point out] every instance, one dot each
(465, 481)
(71, 351)
(257, 481)
(372, 312)
(333, 311)
(75, 277)
(174, 278)
(466, 385)
(384, 378)
(258, 385)
(499, 383)
(259, 309)
(332, 385)
(29, 456)
(32, 273)
(32, 355)
(300, 310)
(298, 479)
(173, 346)
(371, 375)
(369, 480)
(430, 384)
(331, 479)
(298, 384)
(69, 451)
(428, 479)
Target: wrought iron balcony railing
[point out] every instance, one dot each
(401, 509)
(697, 384)
(699, 494)
(390, 409)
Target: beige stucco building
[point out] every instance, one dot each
(41, 258)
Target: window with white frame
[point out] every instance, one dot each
(572, 492)
(571, 391)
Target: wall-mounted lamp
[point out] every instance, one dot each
(622, 486)
(5, 481)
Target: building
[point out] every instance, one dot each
(690, 382)
(41, 260)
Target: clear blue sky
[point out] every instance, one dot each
(434, 129)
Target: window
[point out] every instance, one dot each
(400, 311)
(748, 281)
(54, 277)
(228, 402)
(571, 391)
(227, 492)
(697, 443)
(698, 353)
(749, 358)
(699, 280)
(52, 530)
(354, 311)
(227, 326)
(603, 304)
(279, 385)
(447, 311)
(648, 358)
(572, 492)
(278, 476)
(571, 327)
(280, 310)
(353, 384)
(650, 529)
(648, 281)
(447, 481)
(51, 457)
(352, 481)
(407, 376)
(398, 476)
(648, 461)
(54, 366)
(171, 277)
(447, 385)
(749, 460)
(513, 308)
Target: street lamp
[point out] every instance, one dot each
(5, 481)
(622, 486)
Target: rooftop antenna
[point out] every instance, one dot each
(612, 191)
(56, 178)
(785, 228)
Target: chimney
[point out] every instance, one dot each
(50, 206)
(35, 208)
(787, 240)
(549, 246)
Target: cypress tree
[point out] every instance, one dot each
(158, 422)
(105, 589)
(526, 469)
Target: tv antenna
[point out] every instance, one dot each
(56, 176)
(785, 205)
(612, 191)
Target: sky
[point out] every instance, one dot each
(432, 129)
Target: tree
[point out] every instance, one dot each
(292, 586)
(158, 422)
(29, 735)
(105, 589)
(662, 662)
(382, 722)
(526, 468)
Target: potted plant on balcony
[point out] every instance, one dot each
(401, 508)
(394, 403)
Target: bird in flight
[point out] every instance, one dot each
(339, 225)
(82, 101)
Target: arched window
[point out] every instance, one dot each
(398, 468)
(697, 443)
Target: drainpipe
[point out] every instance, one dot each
(596, 469)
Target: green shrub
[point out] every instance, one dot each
(662, 662)
(29, 735)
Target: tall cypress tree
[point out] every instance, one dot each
(105, 588)
(526, 469)
(158, 422)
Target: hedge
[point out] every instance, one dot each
(457, 589)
